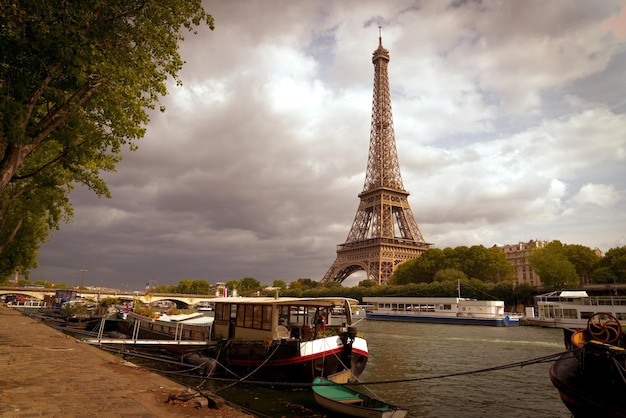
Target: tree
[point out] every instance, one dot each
(612, 267)
(487, 264)
(76, 81)
(422, 269)
(184, 286)
(280, 284)
(164, 288)
(232, 285)
(523, 294)
(555, 270)
(249, 285)
(603, 275)
(302, 284)
(367, 283)
(449, 275)
(584, 259)
(200, 287)
(332, 285)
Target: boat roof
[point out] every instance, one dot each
(426, 300)
(567, 294)
(324, 301)
(574, 294)
(195, 318)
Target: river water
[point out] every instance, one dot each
(410, 351)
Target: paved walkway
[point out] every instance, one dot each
(44, 372)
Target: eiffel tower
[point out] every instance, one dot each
(384, 232)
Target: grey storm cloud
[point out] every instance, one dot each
(509, 119)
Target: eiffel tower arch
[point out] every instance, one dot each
(384, 232)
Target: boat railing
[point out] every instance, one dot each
(585, 301)
(135, 340)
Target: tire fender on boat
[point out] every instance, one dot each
(357, 365)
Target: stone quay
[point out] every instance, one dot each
(44, 372)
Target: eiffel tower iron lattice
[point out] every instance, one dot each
(384, 232)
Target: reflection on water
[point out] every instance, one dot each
(404, 351)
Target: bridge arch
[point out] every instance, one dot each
(180, 300)
(34, 294)
(98, 295)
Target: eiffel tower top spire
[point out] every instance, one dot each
(383, 168)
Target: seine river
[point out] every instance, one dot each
(408, 351)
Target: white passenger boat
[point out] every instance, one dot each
(572, 309)
(26, 303)
(204, 306)
(440, 310)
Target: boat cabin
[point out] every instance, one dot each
(269, 318)
(569, 305)
(439, 306)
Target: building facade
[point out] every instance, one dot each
(517, 255)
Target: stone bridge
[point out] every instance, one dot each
(181, 300)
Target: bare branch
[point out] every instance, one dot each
(33, 101)
(11, 235)
(61, 118)
(55, 160)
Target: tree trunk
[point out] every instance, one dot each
(13, 159)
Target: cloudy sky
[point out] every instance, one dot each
(510, 123)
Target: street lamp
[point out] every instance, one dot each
(82, 277)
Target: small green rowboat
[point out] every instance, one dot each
(347, 401)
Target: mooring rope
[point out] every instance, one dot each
(253, 371)
(186, 373)
(620, 369)
(537, 360)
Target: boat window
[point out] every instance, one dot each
(570, 313)
(266, 322)
(447, 307)
(549, 313)
(254, 316)
(283, 315)
(296, 316)
(257, 316)
(222, 311)
(249, 316)
(586, 315)
(241, 315)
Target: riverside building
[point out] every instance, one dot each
(517, 254)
